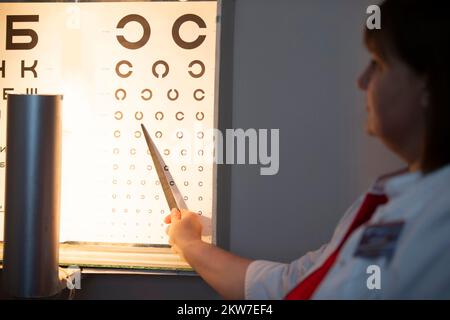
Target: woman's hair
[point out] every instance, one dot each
(418, 32)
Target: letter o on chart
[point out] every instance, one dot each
(166, 69)
(120, 94)
(118, 115)
(139, 115)
(200, 116)
(172, 97)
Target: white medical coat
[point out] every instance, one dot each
(418, 269)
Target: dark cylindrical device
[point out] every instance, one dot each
(32, 199)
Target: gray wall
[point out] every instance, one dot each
(296, 65)
(295, 68)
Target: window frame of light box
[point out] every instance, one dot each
(164, 261)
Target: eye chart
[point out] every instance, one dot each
(119, 65)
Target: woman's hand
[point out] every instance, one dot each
(185, 229)
(224, 271)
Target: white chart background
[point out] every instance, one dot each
(110, 189)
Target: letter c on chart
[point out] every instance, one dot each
(202, 69)
(145, 36)
(176, 31)
(128, 64)
(196, 97)
(149, 92)
(179, 115)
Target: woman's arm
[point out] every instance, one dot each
(222, 270)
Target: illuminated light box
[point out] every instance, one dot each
(119, 65)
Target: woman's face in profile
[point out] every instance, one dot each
(396, 98)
